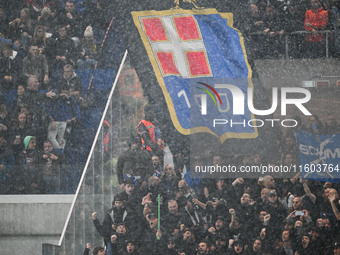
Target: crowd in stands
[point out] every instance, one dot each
(270, 21)
(162, 209)
(42, 44)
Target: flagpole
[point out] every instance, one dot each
(101, 46)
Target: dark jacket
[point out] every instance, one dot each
(35, 100)
(7, 160)
(76, 24)
(113, 217)
(10, 67)
(49, 167)
(37, 66)
(150, 244)
(62, 47)
(74, 82)
(26, 177)
(134, 162)
(4, 27)
(63, 108)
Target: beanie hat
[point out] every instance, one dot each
(88, 32)
(27, 141)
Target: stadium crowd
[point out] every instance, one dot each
(164, 210)
(42, 44)
(305, 24)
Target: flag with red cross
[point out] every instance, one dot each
(190, 47)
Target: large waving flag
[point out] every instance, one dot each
(319, 156)
(192, 51)
(182, 57)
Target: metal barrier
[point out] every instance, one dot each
(287, 37)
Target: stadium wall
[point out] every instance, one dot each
(29, 220)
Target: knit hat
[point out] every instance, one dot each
(88, 32)
(27, 141)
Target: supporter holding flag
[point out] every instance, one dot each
(90, 51)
